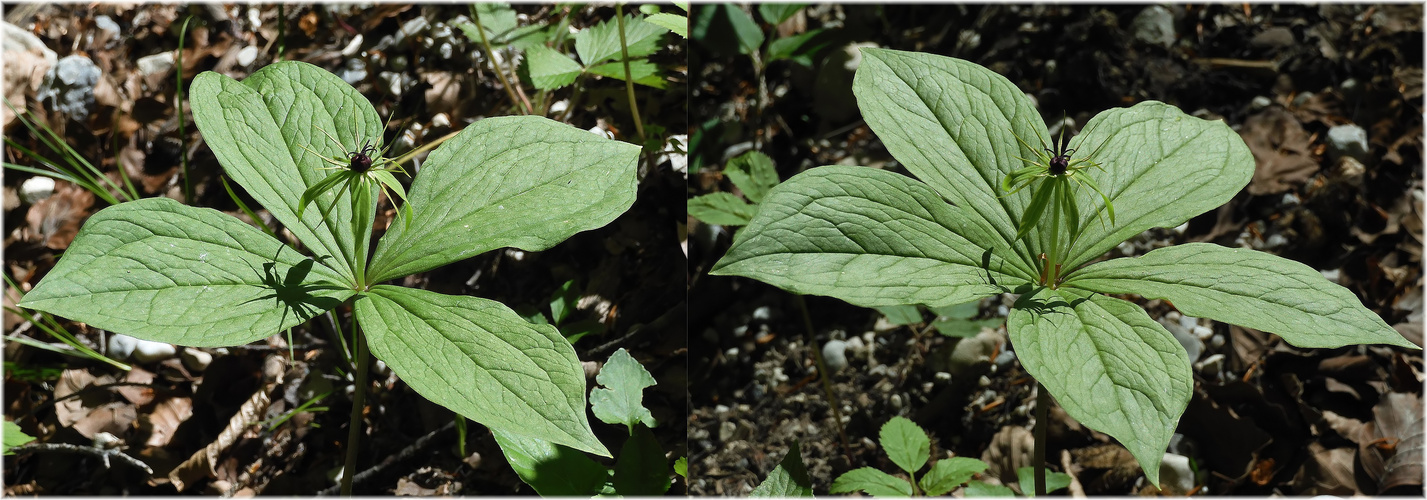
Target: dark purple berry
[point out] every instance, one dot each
(360, 161)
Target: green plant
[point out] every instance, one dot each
(554, 469)
(788, 479)
(875, 238)
(600, 51)
(753, 173)
(158, 270)
(908, 447)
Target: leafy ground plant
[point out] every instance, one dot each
(876, 238)
(161, 271)
(908, 447)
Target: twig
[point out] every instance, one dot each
(391, 460)
(85, 450)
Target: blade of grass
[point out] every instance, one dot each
(68, 338)
(244, 207)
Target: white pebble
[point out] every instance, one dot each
(195, 359)
(37, 188)
(247, 55)
(149, 351)
(835, 355)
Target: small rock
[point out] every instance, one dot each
(195, 359)
(1348, 140)
(36, 188)
(1260, 102)
(1301, 98)
(1175, 476)
(1333, 275)
(353, 47)
(1191, 344)
(1004, 360)
(1274, 38)
(441, 120)
(121, 346)
(763, 313)
(1154, 25)
(1202, 332)
(148, 352)
(156, 64)
(69, 85)
(835, 355)
(247, 55)
(354, 71)
(896, 402)
(726, 431)
(108, 28)
(413, 27)
(1211, 366)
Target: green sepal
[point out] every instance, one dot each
(311, 194)
(1039, 199)
(392, 184)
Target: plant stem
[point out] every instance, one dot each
(628, 78)
(822, 374)
(178, 103)
(359, 400)
(499, 73)
(1042, 407)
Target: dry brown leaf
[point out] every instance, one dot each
(1281, 149)
(1327, 472)
(1010, 449)
(138, 395)
(113, 418)
(1395, 450)
(166, 418)
(56, 219)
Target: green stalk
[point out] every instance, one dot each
(628, 77)
(359, 400)
(499, 73)
(822, 374)
(1052, 253)
(178, 103)
(1042, 407)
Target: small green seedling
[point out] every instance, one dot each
(908, 447)
(956, 234)
(162, 271)
(554, 469)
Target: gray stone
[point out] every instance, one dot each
(1348, 140)
(1274, 38)
(68, 87)
(1175, 476)
(1154, 25)
(354, 71)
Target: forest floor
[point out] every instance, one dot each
(414, 63)
(1265, 417)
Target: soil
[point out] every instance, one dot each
(628, 274)
(1265, 418)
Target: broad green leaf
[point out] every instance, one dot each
(162, 271)
(872, 481)
(954, 124)
(776, 13)
(978, 489)
(965, 310)
(621, 400)
(644, 72)
(553, 470)
(682, 5)
(1162, 167)
(725, 29)
(259, 128)
(600, 43)
(901, 315)
(753, 173)
(15, 436)
(563, 301)
(676, 23)
(1246, 288)
(481, 360)
(516, 181)
(788, 479)
(550, 69)
(1053, 481)
(964, 328)
(724, 209)
(801, 48)
(948, 473)
(641, 469)
(905, 443)
(1109, 365)
(866, 236)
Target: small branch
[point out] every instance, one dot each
(102, 454)
(628, 77)
(391, 460)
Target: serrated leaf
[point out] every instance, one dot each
(1108, 364)
(676, 23)
(872, 481)
(1162, 167)
(724, 209)
(1245, 288)
(776, 13)
(978, 489)
(641, 469)
(162, 271)
(14, 436)
(262, 129)
(901, 315)
(600, 43)
(905, 443)
(1053, 481)
(948, 473)
(950, 123)
(514, 181)
(681, 467)
(549, 69)
(754, 174)
(788, 479)
(481, 360)
(866, 236)
(553, 470)
(644, 72)
(621, 400)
